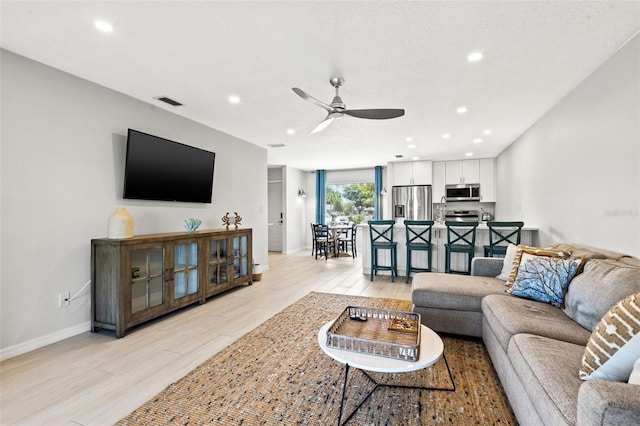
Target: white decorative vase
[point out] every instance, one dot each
(120, 224)
(257, 272)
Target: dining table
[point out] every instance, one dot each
(335, 230)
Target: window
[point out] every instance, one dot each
(349, 203)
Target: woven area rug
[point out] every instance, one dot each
(277, 374)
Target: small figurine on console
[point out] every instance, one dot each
(226, 221)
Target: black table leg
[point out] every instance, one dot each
(377, 385)
(344, 390)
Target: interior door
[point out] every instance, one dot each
(275, 217)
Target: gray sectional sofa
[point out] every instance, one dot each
(537, 348)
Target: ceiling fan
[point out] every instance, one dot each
(338, 109)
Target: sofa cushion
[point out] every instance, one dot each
(630, 261)
(548, 367)
(589, 252)
(614, 344)
(602, 284)
(508, 315)
(455, 292)
(602, 402)
(544, 278)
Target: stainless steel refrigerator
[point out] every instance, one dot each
(411, 202)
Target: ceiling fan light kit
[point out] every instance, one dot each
(338, 109)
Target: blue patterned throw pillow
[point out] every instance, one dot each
(544, 279)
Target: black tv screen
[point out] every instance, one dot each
(160, 169)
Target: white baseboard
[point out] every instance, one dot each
(39, 342)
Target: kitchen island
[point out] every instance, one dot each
(529, 236)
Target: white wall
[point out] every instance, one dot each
(576, 172)
(63, 146)
(297, 227)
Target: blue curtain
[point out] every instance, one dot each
(377, 208)
(321, 196)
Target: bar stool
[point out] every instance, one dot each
(418, 238)
(501, 234)
(381, 234)
(461, 238)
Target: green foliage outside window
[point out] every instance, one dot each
(350, 203)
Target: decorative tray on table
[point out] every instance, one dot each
(374, 331)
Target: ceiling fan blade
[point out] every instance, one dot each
(304, 95)
(325, 123)
(374, 114)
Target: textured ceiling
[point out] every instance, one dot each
(392, 54)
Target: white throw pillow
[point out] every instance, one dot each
(508, 262)
(634, 378)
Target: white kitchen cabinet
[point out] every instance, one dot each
(402, 173)
(439, 178)
(412, 173)
(462, 171)
(488, 180)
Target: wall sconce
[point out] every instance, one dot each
(301, 193)
(384, 191)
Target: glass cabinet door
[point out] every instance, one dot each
(147, 280)
(218, 267)
(240, 256)
(185, 270)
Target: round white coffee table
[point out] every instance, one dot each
(431, 350)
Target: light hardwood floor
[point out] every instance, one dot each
(96, 379)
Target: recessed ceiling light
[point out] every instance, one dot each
(234, 99)
(103, 26)
(409, 139)
(415, 158)
(411, 146)
(461, 110)
(290, 131)
(474, 57)
(487, 131)
(468, 154)
(446, 136)
(477, 140)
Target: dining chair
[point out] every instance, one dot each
(381, 234)
(347, 239)
(461, 238)
(325, 243)
(313, 239)
(418, 238)
(501, 234)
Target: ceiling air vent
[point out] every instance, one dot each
(277, 145)
(169, 101)
(399, 156)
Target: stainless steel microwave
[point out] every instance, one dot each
(463, 192)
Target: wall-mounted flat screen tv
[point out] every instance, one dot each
(160, 169)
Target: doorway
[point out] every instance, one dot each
(275, 213)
